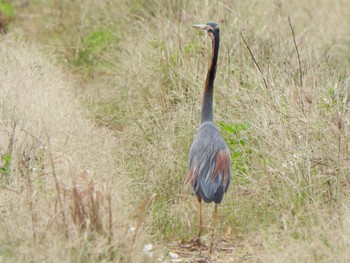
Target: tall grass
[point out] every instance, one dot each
(62, 190)
(281, 102)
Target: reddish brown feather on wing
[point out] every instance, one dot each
(190, 176)
(222, 161)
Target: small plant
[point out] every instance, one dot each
(94, 43)
(7, 9)
(7, 14)
(237, 137)
(5, 166)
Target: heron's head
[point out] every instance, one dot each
(211, 28)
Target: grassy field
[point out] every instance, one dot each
(99, 103)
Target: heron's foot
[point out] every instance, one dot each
(193, 245)
(198, 242)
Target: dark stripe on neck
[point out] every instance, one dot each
(207, 104)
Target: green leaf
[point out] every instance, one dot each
(7, 9)
(4, 170)
(7, 160)
(98, 39)
(237, 153)
(331, 92)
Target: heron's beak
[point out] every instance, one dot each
(200, 26)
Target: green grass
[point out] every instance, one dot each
(140, 70)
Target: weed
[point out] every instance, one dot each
(7, 9)
(93, 45)
(6, 162)
(238, 140)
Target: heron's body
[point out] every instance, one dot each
(209, 164)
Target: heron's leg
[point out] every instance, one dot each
(199, 198)
(215, 216)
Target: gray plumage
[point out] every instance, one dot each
(203, 160)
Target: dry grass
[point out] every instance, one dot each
(61, 188)
(285, 118)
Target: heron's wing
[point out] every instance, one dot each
(209, 166)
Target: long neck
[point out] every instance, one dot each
(207, 104)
